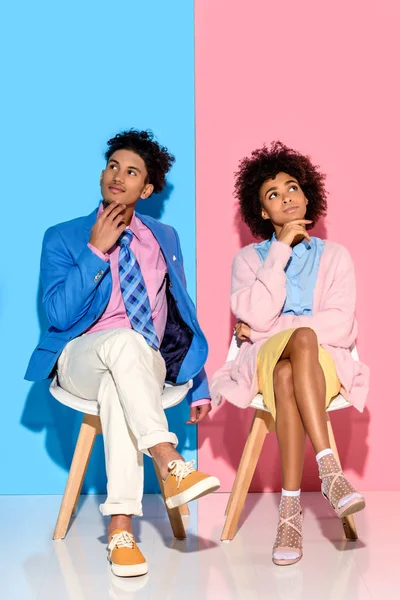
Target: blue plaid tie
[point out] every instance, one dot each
(134, 292)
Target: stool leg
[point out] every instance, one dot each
(349, 524)
(79, 491)
(98, 425)
(184, 510)
(271, 429)
(174, 514)
(89, 429)
(262, 424)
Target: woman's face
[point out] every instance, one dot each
(282, 200)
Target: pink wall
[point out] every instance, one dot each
(323, 79)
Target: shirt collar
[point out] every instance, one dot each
(134, 225)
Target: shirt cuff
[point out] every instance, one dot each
(201, 402)
(98, 253)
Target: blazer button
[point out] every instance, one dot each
(98, 276)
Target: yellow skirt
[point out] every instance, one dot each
(271, 352)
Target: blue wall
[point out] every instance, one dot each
(76, 73)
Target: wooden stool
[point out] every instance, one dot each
(91, 427)
(263, 424)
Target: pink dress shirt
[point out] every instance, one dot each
(152, 264)
(154, 269)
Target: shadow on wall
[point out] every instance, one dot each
(42, 411)
(350, 427)
(154, 206)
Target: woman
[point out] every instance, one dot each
(294, 297)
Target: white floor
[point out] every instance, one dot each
(33, 567)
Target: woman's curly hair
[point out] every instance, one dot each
(265, 163)
(157, 158)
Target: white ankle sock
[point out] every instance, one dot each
(290, 493)
(288, 555)
(331, 465)
(323, 453)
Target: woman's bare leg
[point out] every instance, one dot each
(289, 427)
(309, 391)
(309, 385)
(291, 436)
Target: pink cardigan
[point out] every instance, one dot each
(258, 295)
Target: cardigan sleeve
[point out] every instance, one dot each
(258, 295)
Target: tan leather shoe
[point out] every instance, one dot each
(184, 483)
(124, 555)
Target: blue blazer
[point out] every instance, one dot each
(76, 290)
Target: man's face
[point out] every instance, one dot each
(125, 179)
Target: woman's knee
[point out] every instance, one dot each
(304, 338)
(283, 376)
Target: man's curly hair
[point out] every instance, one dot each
(265, 163)
(157, 158)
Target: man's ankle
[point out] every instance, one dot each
(163, 454)
(123, 522)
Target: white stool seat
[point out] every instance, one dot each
(337, 403)
(172, 395)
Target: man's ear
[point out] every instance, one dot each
(101, 177)
(147, 191)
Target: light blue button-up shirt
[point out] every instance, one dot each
(301, 274)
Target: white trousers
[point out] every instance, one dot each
(118, 368)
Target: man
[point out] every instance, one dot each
(121, 325)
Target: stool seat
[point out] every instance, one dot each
(172, 395)
(337, 403)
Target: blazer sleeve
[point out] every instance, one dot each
(200, 389)
(258, 296)
(69, 285)
(335, 324)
